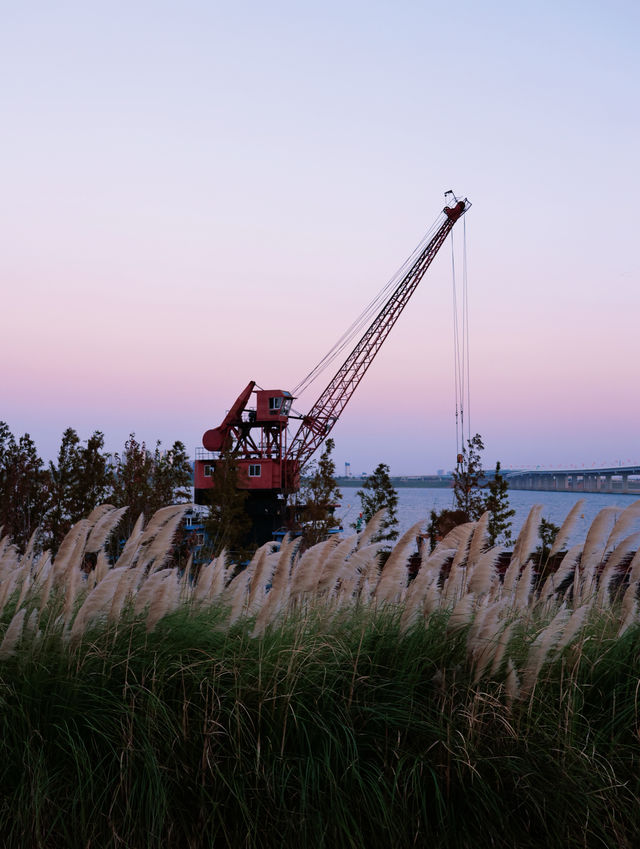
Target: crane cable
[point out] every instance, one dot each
(461, 349)
(367, 315)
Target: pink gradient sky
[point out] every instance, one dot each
(195, 195)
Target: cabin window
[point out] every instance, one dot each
(274, 404)
(199, 539)
(208, 471)
(254, 470)
(286, 406)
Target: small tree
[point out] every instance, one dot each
(500, 513)
(24, 487)
(79, 481)
(467, 480)
(145, 481)
(442, 522)
(471, 502)
(319, 497)
(378, 494)
(547, 533)
(228, 525)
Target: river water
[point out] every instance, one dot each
(415, 505)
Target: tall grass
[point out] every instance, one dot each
(315, 699)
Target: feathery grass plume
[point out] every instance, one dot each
(71, 549)
(163, 601)
(12, 635)
(41, 567)
(26, 585)
(455, 584)
(628, 607)
(501, 647)
(594, 548)
(524, 587)
(47, 585)
(333, 564)
(484, 610)
(629, 517)
(126, 587)
(428, 576)
(566, 528)
(104, 526)
(262, 573)
(29, 551)
(479, 540)
(132, 545)
(10, 560)
(371, 528)
(511, 684)
(96, 605)
(524, 547)
(236, 594)
(605, 580)
(432, 600)
(482, 574)
(395, 573)
(279, 593)
(350, 579)
(461, 614)
(624, 548)
(539, 650)
(158, 549)
(185, 583)
(634, 567)
(483, 640)
(98, 512)
(456, 537)
(220, 575)
(212, 579)
(612, 567)
(149, 589)
(102, 567)
(564, 570)
(629, 618)
(7, 587)
(31, 624)
(307, 567)
(462, 549)
(71, 588)
(368, 560)
(484, 626)
(573, 626)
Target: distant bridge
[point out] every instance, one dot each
(623, 479)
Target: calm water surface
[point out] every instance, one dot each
(415, 505)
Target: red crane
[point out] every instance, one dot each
(268, 466)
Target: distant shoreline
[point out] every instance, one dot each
(426, 482)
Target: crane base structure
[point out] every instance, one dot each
(268, 465)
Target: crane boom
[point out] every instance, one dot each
(319, 421)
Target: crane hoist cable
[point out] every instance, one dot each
(367, 314)
(461, 355)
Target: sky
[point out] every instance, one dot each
(199, 194)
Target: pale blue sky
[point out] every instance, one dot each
(199, 194)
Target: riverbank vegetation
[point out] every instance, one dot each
(317, 700)
(47, 499)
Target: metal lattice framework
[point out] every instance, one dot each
(319, 421)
